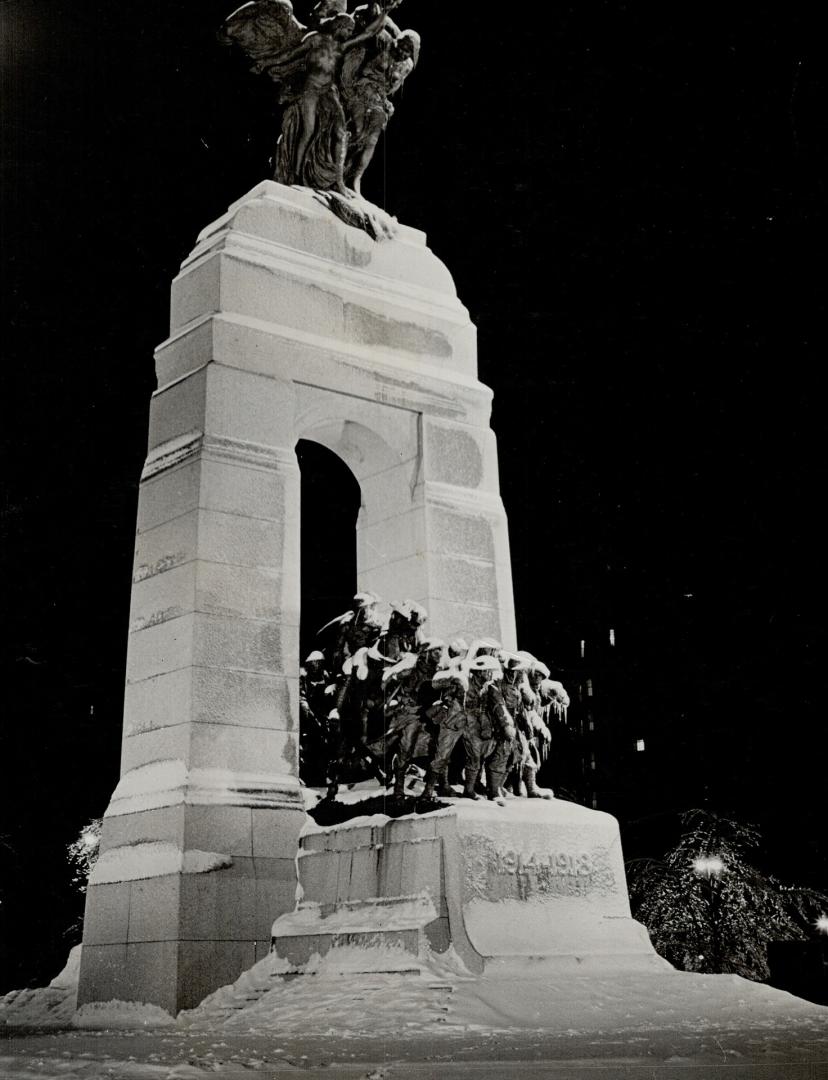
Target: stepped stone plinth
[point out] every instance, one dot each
(531, 887)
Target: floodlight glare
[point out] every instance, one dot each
(708, 865)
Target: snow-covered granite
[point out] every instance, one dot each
(529, 882)
(286, 324)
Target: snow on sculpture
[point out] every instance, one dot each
(386, 696)
(336, 78)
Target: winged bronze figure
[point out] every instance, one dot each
(335, 75)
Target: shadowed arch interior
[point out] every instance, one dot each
(330, 503)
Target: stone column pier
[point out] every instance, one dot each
(286, 325)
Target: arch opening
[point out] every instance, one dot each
(330, 502)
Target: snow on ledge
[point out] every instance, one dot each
(170, 783)
(555, 812)
(153, 858)
(373, 916)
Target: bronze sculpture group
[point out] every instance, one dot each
(384, 696)
(336, 77)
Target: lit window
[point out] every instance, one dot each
(589, 687)
(612, 637)
(639, 745)
(583, 648)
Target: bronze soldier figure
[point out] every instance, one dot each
(356, 629)
(356, 716)
(408, 694)
(404, 629)
(518, 699)
(490, 728)
(313, 708)
(449, 715)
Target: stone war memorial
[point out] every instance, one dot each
(304, 312)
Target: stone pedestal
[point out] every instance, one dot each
(526, 889)
(286, 325)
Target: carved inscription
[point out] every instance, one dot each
(493, 873)
(555, 873)
(581, 864)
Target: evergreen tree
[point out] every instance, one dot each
(82, 854)
(708, 909)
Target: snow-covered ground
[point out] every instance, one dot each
(439, 1024)
(436, 1024)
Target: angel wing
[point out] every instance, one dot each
(352, 67)
(263, 30)
(376, 53)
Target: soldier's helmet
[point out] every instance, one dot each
(484, 647)
(489, 665)
(513, 661)
(413, 613)
(431, 655)
(417, 613)
(459, 647)
(366, 600)
(366, 609)
(451, 681)
(555, 692)
(539, 668)
(431, 644)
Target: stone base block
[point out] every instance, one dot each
(172, 974)
(529, 887)
(182, 899)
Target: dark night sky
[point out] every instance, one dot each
(629, 197)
